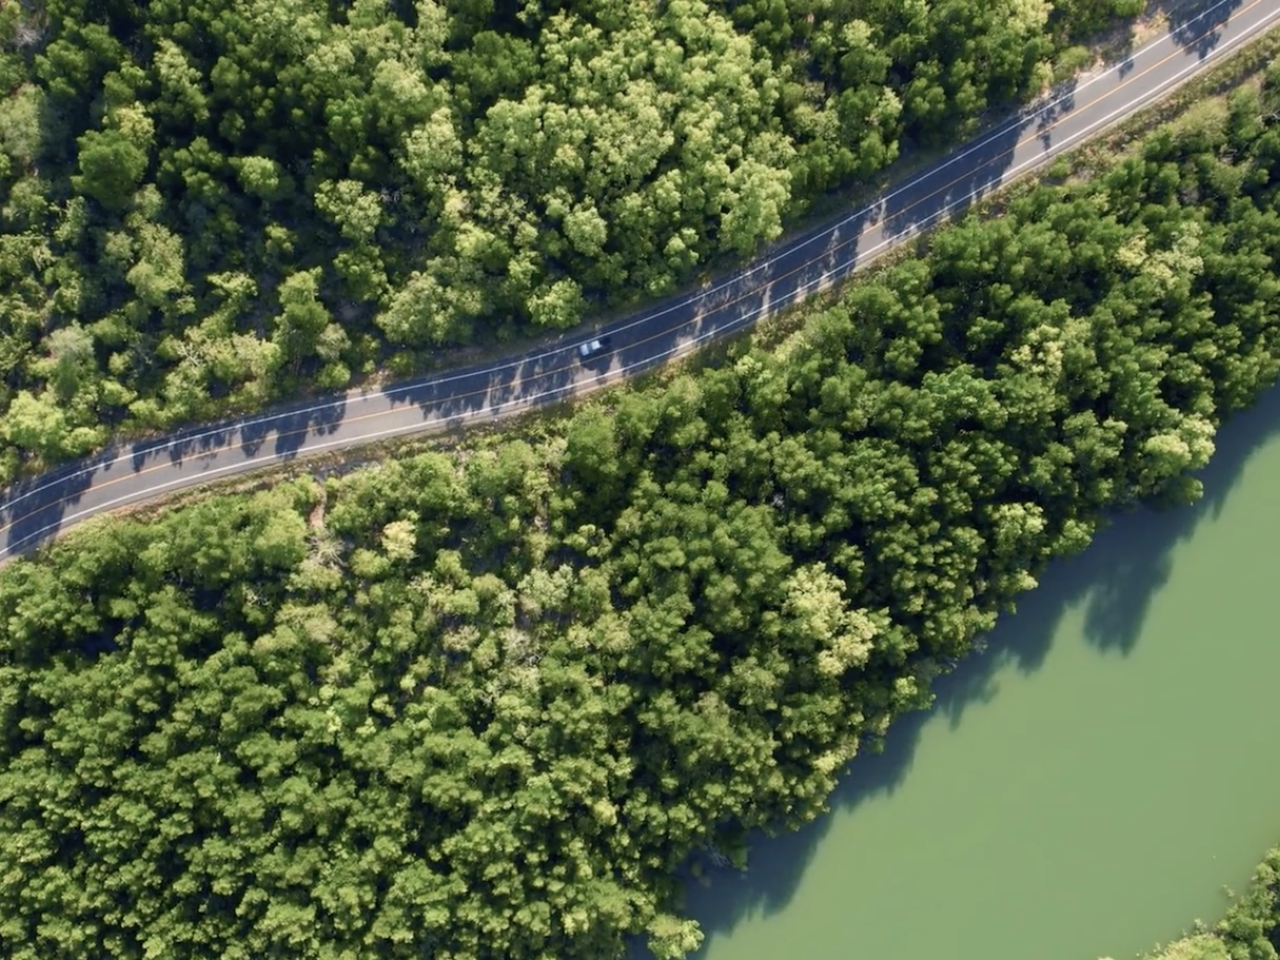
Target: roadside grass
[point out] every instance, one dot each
(1105, 50)
(1186, 103)
(1244, 67)
(394, 365)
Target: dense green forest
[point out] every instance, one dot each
(1251, 929)
(207, 204)
(483, 704)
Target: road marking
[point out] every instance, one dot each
(818, 233)
(859, 257)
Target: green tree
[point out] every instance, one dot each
(111, 167)
(302, 318)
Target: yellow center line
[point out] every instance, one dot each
(526, 401)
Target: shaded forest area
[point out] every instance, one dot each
(209, 204)
(483, 705)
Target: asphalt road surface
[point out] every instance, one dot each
(39, 509)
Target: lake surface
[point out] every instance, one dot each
(1085, 788)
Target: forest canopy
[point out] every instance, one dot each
(209, 204)
(483, 704)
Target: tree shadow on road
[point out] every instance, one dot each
(1115, 579)
(1196, 25)
(984, 164)
(53, 496)
(31, 517)
(500, 388)
(291, 428)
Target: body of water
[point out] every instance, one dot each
(1084, 788)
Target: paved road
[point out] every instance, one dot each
(36, 510)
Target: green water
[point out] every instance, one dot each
(1085, 788)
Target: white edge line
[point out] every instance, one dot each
(859, 258)
(1024, 113)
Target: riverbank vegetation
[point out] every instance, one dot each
(1250, 930)
(485, 703)
(210, 204)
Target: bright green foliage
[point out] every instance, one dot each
(444, 172)
(485, 706)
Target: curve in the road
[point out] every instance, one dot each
(35, 510)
